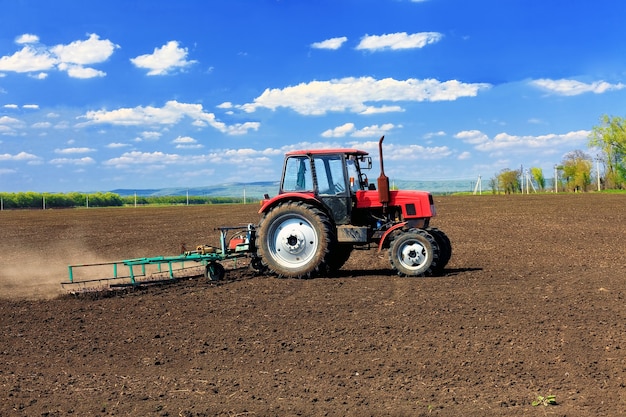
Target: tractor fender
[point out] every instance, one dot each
(384, 239)
(266, 205)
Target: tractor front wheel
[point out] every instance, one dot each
(414, 253)
(445, 248)
(294, 240)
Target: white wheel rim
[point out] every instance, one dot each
(292, 241)
(412, 255)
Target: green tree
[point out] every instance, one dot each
(610, 137)
(537, 174)
(509, 181)
(577, 170)
(29, 199)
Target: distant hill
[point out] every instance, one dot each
(258, 189)
(235, 189)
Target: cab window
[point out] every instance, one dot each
(330, 175)
(297, 176)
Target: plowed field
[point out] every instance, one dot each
(531, 304)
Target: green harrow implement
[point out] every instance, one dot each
(159, 269)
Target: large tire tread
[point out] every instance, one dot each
(445, 248)
(425, 240)
(319, 265)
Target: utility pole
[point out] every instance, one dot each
(479, 187)
(556, 175)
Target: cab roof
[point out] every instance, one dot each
(347, 151)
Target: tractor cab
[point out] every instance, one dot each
(325, 171)
(332, 176)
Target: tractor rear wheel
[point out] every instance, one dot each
(339, 256)
(294, 240)
(445, 247)
(414, 253)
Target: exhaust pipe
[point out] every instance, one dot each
(383, 181)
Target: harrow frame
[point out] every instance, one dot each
(208, 256)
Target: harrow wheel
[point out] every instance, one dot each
(215, 271)
(414, 253)
(295, 240)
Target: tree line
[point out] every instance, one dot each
(575, 172)
(34, 200)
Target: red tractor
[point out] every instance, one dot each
(326, 207)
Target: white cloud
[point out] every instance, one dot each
(77, 71)
(504, 142)
(91, 51)
(351, 130)
(164, 59)
(373, 131)
(27, 38)
(147, 158)
(339, 131)
(28, 59)
(41, 125)
(31, 106)
(40, 76)
(135, 160)
(431, 135)
(170, 114)
(351, 94)
(71, 57)
(395, 152)
(10, 106)
(573, 88)
(73, 161)
(472, 137)
(464, 155)
(22, 156)
(115, 145)
(150, 135)
(397, 41)
(6, 120)
(8, 125)
(7, 131)
(382, 109)
(74, 150)
(186, 142)
(333, 43)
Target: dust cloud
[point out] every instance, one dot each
(35, 274)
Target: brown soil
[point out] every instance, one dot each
(532, 303)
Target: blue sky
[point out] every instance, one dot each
(96, 96)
